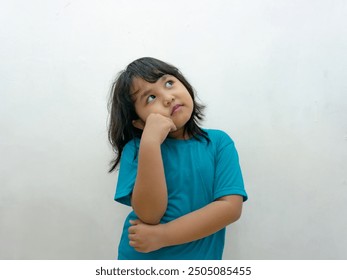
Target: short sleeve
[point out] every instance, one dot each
(127, 173)
(228, 175)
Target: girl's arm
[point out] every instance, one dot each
(193, 226)
(149, 197)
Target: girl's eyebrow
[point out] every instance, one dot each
(139, 95)
(142, 94)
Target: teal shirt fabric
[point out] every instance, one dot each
(197, 173)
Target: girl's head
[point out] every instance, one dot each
(146, 86)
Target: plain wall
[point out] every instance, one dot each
(273, 74)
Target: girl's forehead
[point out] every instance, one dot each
(139, 84)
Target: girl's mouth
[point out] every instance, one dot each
(175, 108)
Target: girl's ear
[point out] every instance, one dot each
(138, 124)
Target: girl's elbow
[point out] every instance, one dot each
(148, 214)
(237, 215)
(148, 219)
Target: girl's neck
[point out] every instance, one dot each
(180, 135)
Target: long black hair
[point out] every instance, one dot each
(122, 109)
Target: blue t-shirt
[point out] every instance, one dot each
(197, 173)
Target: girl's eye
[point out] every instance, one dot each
(150, 98)
(169, 84)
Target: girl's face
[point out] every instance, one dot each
(168, 97)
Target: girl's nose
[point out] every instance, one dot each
(168, 100)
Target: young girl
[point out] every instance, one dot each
(184, 183)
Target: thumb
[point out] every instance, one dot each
(173, 127)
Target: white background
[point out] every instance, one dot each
(273, 74)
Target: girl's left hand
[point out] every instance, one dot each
(146, 238)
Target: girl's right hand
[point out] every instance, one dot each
(146, 238)
(156, 128)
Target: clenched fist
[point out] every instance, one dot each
(156, 128)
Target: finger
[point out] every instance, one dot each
(132, 243)
(139, 249)
(173, 128)
(140, 124)
(132, 230)
(134, 222)
(132, 237)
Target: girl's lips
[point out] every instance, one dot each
(175, 108)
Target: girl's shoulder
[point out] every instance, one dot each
(132, 145)
(218, 136)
